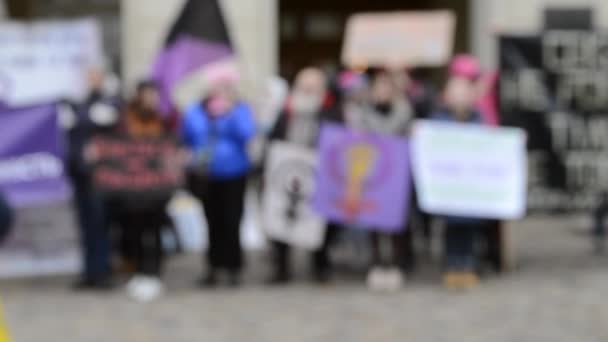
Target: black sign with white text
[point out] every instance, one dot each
(555, 85)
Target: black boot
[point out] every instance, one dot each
(279, 277)
(99, 284)
(234, 278)
(209, 280)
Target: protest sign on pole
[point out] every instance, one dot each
(469, 170)
(289, 182)
(399, 39)
(363, 179)
(43, 62)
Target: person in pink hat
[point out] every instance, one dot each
(217, 131)
(460, 96)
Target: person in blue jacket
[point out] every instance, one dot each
(217, 131)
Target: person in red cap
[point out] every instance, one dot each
(459, 105)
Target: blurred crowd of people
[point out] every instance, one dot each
(216, 132)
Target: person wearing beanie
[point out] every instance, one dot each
(217, 131)
(461, 233)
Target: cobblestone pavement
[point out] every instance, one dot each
(556, 293)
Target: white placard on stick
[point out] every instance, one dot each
(46, 61)
(399, 39)
(470, 170)
(289, 185)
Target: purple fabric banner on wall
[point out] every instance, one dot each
(363, 179)
(31, 157)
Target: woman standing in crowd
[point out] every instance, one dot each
(388, 112)
(142, 218)
(218, 130)
(461, 233)
(308, 104)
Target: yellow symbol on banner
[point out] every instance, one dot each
(360, 161)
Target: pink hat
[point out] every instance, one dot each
(222, 73)
(465, 66)
(350, 81)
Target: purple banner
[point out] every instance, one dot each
(363, 179)
(31, 157)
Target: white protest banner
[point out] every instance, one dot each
(288, 215)
(43, 242)
(399, 39)
(46, 61)
(470, 170)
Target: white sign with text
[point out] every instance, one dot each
(470, 170)
(46, 61)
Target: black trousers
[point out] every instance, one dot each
(224, 201)
(401, 253)
(599, 216)
(320, 261)
(493, 244)
(94, 232)
(459, 242)
(142, 228)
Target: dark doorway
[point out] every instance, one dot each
(311, 31)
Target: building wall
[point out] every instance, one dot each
(252, 26)
(492, 17)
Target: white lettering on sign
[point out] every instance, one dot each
(30, 167)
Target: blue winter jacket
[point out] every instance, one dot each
(224, 139)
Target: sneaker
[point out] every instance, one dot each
(278, 279)
(382, 279)
(321, 277)
(103, 284)
(234, 279)
(208, 281)
(393, 279)
(145, 289)
(461, 280)
(133, 283)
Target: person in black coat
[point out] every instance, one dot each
(308, 105)
(81, 121)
